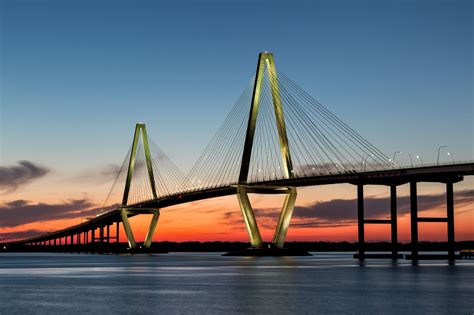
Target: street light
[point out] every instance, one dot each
(419, 158)
(411, 160)
(439, 150)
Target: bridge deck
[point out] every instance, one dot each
(442, 173)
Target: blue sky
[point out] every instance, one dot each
(77, 75)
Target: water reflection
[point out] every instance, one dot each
(209, 283)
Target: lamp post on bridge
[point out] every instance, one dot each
(439, 150)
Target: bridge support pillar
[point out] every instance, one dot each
(360, 221)
(450, 221)
(285, 218)
(128, 229)
(101, 235)
(151, 228)
(414, 221)
(117, 231)
(393, 218)
(249, 217)
(101, 239)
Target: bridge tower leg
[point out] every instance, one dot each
(249, 217)
(285, 218)
(266, 63)
(140, 130)
(151, 228)
(128, 229)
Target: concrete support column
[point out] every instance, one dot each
(414, 221)
(360, 220)
(101, 239)
(117, 232)
(393, 219)
(450, 217)
(108, 233)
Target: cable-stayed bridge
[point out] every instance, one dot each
(275, 138)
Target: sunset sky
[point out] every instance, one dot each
(75, 77)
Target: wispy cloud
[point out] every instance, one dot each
(99, 175)
(7, 236)
(343, 212)
(19, 212)
(11, 177)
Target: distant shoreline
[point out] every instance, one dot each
(217, 246)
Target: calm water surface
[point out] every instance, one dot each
(209, 283)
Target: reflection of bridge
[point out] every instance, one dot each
(275, 139)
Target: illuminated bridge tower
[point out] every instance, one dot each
(126, 211)
(266, 63)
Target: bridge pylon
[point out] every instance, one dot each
(266, 64)
(140, 133)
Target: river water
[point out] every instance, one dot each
(207, 283)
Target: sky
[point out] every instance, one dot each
(75, 77)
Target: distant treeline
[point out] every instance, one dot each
(309, 246)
